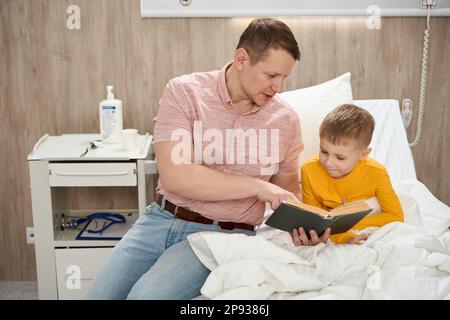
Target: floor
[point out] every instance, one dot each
(18, 290)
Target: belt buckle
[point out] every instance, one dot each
(163, 203)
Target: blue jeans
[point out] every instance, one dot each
(154, 260)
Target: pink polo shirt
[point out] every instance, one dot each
(260, 143)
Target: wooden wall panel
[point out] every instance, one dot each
(52, 79)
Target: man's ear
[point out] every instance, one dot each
(241, 58)
(366, 152)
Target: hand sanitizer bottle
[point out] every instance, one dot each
(111, 121)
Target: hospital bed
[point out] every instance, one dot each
(409, 260)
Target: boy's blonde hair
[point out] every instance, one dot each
(348, 122)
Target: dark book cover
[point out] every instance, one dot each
(288, 217)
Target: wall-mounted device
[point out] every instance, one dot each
(424, 4)
(406, 110)
(285, 8)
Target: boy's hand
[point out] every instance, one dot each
(300, 238)
(358, 239)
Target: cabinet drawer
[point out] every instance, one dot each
(92, 174)
(77, 268)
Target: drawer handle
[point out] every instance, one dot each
(92, 174)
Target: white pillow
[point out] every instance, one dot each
(389, 141)
(313, 104)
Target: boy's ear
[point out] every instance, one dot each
(366, 152)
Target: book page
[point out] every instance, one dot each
(308, 208)
(349, 208)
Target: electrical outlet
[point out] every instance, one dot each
(425, 3)
(30, 235)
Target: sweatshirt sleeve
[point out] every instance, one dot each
(391, 210)
(307, 192)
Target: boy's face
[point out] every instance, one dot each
(340, 160)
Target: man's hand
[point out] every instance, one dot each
(301, 239)
(269, 192)
(358, 239)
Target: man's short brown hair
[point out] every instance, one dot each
(263, 34)
(348, 122)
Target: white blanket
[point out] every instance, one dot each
(398, 261)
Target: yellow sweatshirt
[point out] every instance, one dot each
(368, 179)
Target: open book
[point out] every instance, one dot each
(294, 214)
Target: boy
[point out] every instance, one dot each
(343, 172)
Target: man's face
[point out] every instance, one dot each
(261, 81)
(340, 160)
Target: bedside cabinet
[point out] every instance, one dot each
(66, 266)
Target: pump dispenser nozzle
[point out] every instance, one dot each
(110, 95)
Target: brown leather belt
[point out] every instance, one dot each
(185, 214)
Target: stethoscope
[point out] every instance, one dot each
(111, 217)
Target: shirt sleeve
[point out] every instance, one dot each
(290, 162)
(173, 119)
(342, 238)
(391, 209)
(307, 192)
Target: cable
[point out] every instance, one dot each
(423, 80)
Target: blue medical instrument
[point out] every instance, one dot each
(107, 216)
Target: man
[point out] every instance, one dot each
(219, 175)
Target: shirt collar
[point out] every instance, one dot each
(225, 96)
(222, 86)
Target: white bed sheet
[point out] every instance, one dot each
(408, 260)
(398, 261)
